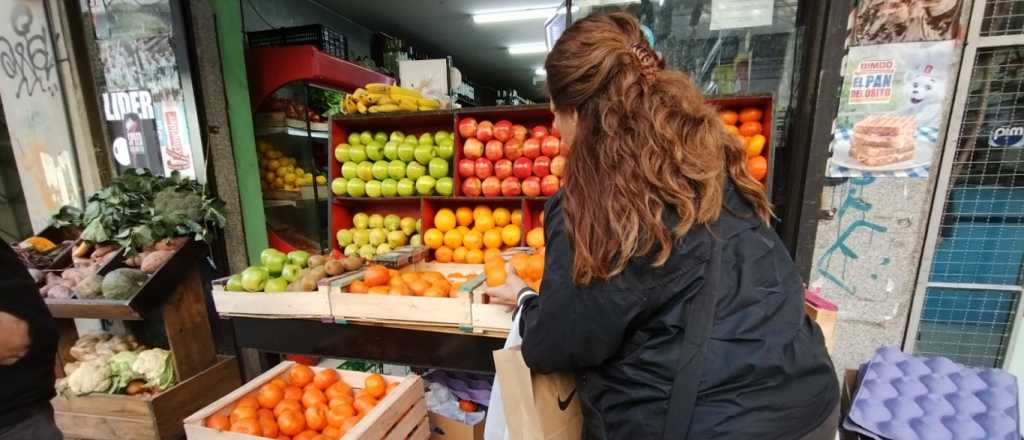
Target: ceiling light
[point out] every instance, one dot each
(541, 13)
(540, 71)
(528, 48)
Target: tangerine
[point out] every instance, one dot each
(480, 211)
(338, 390)
(287, 405)
(331, 432)
(517, 217)
(453, 239)
(473, 240)
(264, 413)
(484, 223)
(732, 129)
(435, 292)
(496, 277)
(519, 261)
(444, 220)
(397, 284)
(380, 290)
(358, 286)
(491, 253)
(269, 395)
(364, 404)
(418, 287)
(409, 277)
(375, 385)
(242, 413)
(755, 145)
(279, 382)
(337, 415)
(313, 397)
(502, 216)
(757, 166)
(269, 428)
(443, 254)
(247, 426)
(219, 422)
(474, 256)
(492, 238)
(376, 275)
(249, 400)
(511, 234)
(534, 284)
(467, 406)
(463, 230)
(307, 435)
(751, 114)
(534, 267)
(433, 238)
(459, 255)
(349, 423)
(453, 291)
(535, 238)
(750, 128)
(728, 117)
(464, 216)
(291, 422)
(316, 417)
(325, 378)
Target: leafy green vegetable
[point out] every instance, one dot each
(138, 209)
(121, 371)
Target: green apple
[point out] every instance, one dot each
(397, 136)
(438, 168)
(365, 170)
(351, 250)
(365, 137)
(380, 169)
(361, 220)
(278, 284)
(423, 153)
(298, 258)
(373, 188)
(356, 188)
(407, 225)
(406, 187)
(389, 187)
(376, 221)
(367, 251)
(348, 170)
(391, 150)
(234, 283)
(341, 152)
(381, 137)
(290, 272)
(396, 239)
(267, 254)
(275, 263)
(392, 222)
(378, 236)
(416, 240)
(375, 151)
(414, 170)
(254, 278)
(441, 134)
(357, 153)
(444, 186)
(426, 139)
(361, 237)
(383, 248)
(425, 185)
(344, 237)
(445, 149)
(406, 151)
(396, 169)
(338, 186)
(412, 139)
(353, 139)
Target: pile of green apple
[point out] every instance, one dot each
(372, 235)
(296, 271)
(382, 165)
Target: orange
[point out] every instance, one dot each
(375, 385)
(535, 285)
(467, 406)
(757, 166)
(300, 375)
(349, 423)
(519, 261)
(309, 386)
(376, 275)
(313, 397)
(436, 292)
(480, 211)
(541, 218)
(517, 217)
(491, 253)
(502, 216)
(433, 238)
(510, 235)
(755, 145)
(270, 395)
(242, 413)
(358, 287)
(269, 428)
(474, 256)
(325, 378)
(750, 128)
(396, 285)
(453, 239)
(443, 254)
(287, 405)
(338, 390)
(409, 277)
(751, 114)
(418, 287)
(264, 413)
(492, 238)
(496, 276)
(219, 422)
(364, 404)
(463, 230)
(247, 426)
(483, 223)
(431, 277)
(459, 255)
(279, 382)
(316, 417)
(344, 400)
(728, 117)
(291, 422)
(306, 435)
(332, 432)
(534, 267)
(473, 240)
(535, 238)
(463, 216)
(337, 415)
(444, 220)
(453, 292)
(732, 129)
(250, 401)
(380, 290)
(392, 273)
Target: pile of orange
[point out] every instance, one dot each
(383, 281)
(473, 235)
(302, 405)
(747, 126)
(529, 267)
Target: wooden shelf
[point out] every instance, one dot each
(292, 131)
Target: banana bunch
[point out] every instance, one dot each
(385, 98)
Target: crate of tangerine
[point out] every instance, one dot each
(296, 401)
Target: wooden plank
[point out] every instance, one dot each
(409, 421)
(290, 304)
(67, 334)
(492, 317)
(104, 405)
(422, 431)
(91, 309)
(94, 427)
(173, 405)
(354, 306)
(389, 411)
(188, 327)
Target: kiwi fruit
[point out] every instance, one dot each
(317, 273)
(352, 263)
(316, 261)
(334, 267)
(308, 284)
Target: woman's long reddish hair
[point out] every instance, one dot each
(645, 142)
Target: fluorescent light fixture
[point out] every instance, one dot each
(538, 13)
(540, 71)
(528, 48)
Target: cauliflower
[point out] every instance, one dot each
(156, 366)
(90, 377)
(121, 371)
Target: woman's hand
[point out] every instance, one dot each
(507, 293)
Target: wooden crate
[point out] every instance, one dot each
(401, 414)
(415, 310)
(315, 304)
(490, 318)
(110, 416)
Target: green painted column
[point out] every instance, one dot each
(230, 38)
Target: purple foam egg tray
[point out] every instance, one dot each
(905, 397)
(475, 387)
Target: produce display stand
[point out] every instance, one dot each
(174, 296)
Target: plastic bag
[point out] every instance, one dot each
(496, 427)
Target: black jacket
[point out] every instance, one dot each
(28, 384)
(766, 372)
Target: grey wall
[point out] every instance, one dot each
(302, 12)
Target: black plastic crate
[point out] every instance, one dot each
(320, 36)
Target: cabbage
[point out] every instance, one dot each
(121, 371)
(157, 366)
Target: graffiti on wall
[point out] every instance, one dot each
(26, 58)
(836, 262)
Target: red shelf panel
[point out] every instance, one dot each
(270, 68)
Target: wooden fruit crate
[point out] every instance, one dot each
(488, 318)
(314, 304)
(401, 414)
(414, 310)
(111, 416)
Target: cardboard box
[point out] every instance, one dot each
(444, 428)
